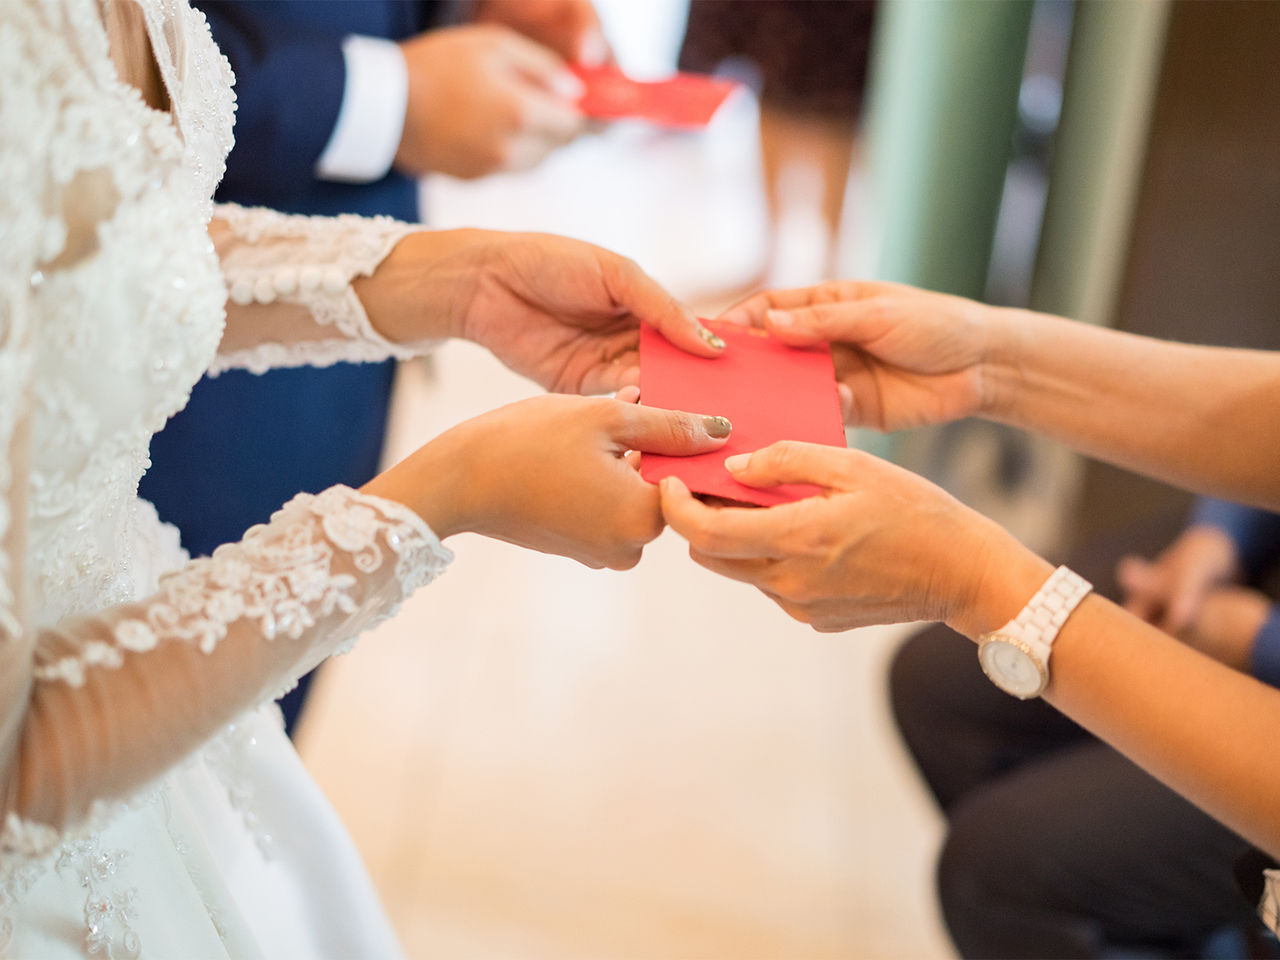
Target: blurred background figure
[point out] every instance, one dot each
(1136, 869)
(808, 59)
(342, 107)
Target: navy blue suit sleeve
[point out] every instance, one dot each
(290, 77)
(1256, 533)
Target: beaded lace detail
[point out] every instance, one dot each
(110, 906)
(310, 262)
(311, 565)
(111, 307)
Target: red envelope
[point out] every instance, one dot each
(686, 100)
(770, 392)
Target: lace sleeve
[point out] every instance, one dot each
(109, 306)
(290, 299)
(117, 697)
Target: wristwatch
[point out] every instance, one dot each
(1016, 657)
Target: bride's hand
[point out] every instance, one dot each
(551, 474)
(567, 314)
(563, 313)
(904, 357)
(880, 545)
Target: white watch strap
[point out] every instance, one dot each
(1038, 623)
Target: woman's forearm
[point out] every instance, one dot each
(1204, 418)
(1204, 729)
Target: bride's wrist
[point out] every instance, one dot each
(433, 484)
(423, 287)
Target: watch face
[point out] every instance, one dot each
(1011, 667)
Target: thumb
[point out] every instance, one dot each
(791, 461)
(672, 433)
(850, 322)
(635, 291)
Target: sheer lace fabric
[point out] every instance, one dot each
(291, 277)
(112, 676)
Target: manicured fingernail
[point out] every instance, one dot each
(717, 427)
(780, 318)
(737, 462)
(710, 338)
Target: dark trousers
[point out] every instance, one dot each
(1056, 845)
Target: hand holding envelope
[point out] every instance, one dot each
(684, 101)
(879, 544)
(768, 390)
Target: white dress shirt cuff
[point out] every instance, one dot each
(371, 119)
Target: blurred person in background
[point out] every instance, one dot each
(809, 60)
(341, 106)
(1133, 864)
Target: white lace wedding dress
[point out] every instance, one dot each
(151, 805)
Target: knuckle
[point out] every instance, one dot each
(793, 587)
(627, 559)
(698, 557)
(778, 583)
(643, 527)
(797, 612)
(517, 115)
(495, 155)
(612, 416)
(684, 429)
(786, 453)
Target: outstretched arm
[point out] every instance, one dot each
(1200, 417)
(317, 290)
(883, 545)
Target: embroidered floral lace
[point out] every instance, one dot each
(112, 305)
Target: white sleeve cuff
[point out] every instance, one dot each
(371, 119)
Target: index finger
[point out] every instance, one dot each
(672, 433)
(723, 532)
(751, 311)
(633, 290)
(549, 119)
(542, 66)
